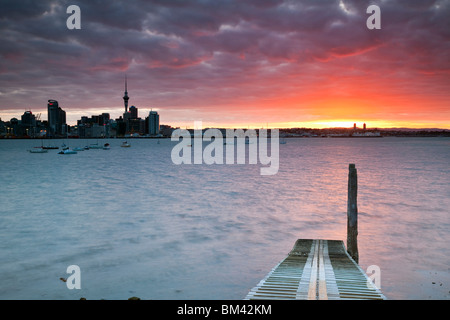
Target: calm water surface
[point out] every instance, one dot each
(138, 225)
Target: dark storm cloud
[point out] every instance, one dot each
(169, 32)
(19, 10)
(205, 44)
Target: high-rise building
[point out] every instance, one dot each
(133, 112)
(28, 119)
(56, 118)
(104, 118)
(153, 123)
(28, 123)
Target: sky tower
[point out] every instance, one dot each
(125, 97)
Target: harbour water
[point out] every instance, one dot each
(138, 225)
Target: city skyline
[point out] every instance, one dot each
(236, 64)
(57, 120)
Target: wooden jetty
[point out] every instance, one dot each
(317, 269)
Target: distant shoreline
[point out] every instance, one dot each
(283, 133)
(384, 135)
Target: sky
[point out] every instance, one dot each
(231, 63)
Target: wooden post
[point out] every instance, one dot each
(352, 213)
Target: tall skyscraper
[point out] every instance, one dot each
(153, 123)
(125, 97)
(28, 119)
(134, 112)
(56, 118)
(28, 123)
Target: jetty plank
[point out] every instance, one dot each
(316, 269)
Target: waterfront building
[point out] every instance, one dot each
(153, 123)
(28, 124)
(28, 119)
(14, 127)
(166, 130)
(2, 127)
(136, 126)
(97, 126)
(133, 112)
(56, 118)
(120, 126)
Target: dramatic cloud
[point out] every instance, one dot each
(230, 61)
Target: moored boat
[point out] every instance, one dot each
(95, 146)
(125, 144)
(38, 150)
(67, 151)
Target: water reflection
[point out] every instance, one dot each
(159, 228)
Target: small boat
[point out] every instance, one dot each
(46, 147)
(78, 149)
(282, 141)
(95, 146)
(64, 147)
(106, 146)
(40, 150)
(67, 151)
(125, 144)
